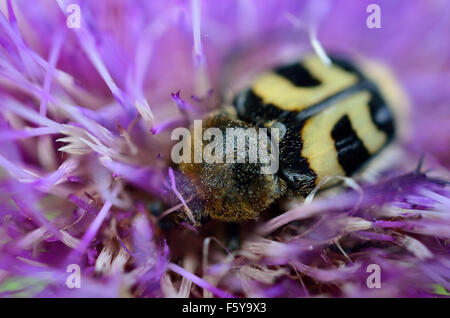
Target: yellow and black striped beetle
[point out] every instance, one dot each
(334, 119)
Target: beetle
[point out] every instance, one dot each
(333, 120)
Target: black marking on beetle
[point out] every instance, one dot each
(297, 75)
(251, 108)
(347, 66)
(294, 168)
(351, 152)
(380, 113)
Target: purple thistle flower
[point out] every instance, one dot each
(85, 116)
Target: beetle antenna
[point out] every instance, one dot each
(420, 164)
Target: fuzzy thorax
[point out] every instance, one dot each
(230, 191)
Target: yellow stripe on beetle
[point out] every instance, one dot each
(277, 90)
(319, 146)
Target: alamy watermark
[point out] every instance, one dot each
(373, 21)
(374, 279)
(74, 279)
(230, 145)
(73, 20)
